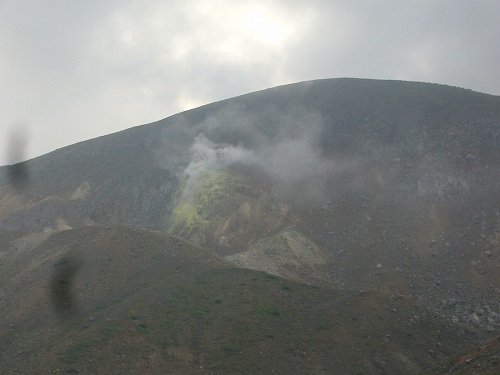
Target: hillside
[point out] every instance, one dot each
(366, 191)
(144, 301)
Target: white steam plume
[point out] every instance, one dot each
(285, 144)
(208, 157)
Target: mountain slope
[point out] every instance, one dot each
(147, 302)
(384, 186)
(420, 130)
(390, 183)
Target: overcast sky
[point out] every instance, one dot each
(74, 70)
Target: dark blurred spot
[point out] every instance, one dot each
(17, 171)
(18, 175)
(61, 283)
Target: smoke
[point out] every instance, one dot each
(284, 145)
(208, 157)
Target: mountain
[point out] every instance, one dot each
(368, 204)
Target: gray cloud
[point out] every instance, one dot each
(446, 42)
(76, 71)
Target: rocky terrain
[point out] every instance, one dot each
(381, 193)
(148, 302)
